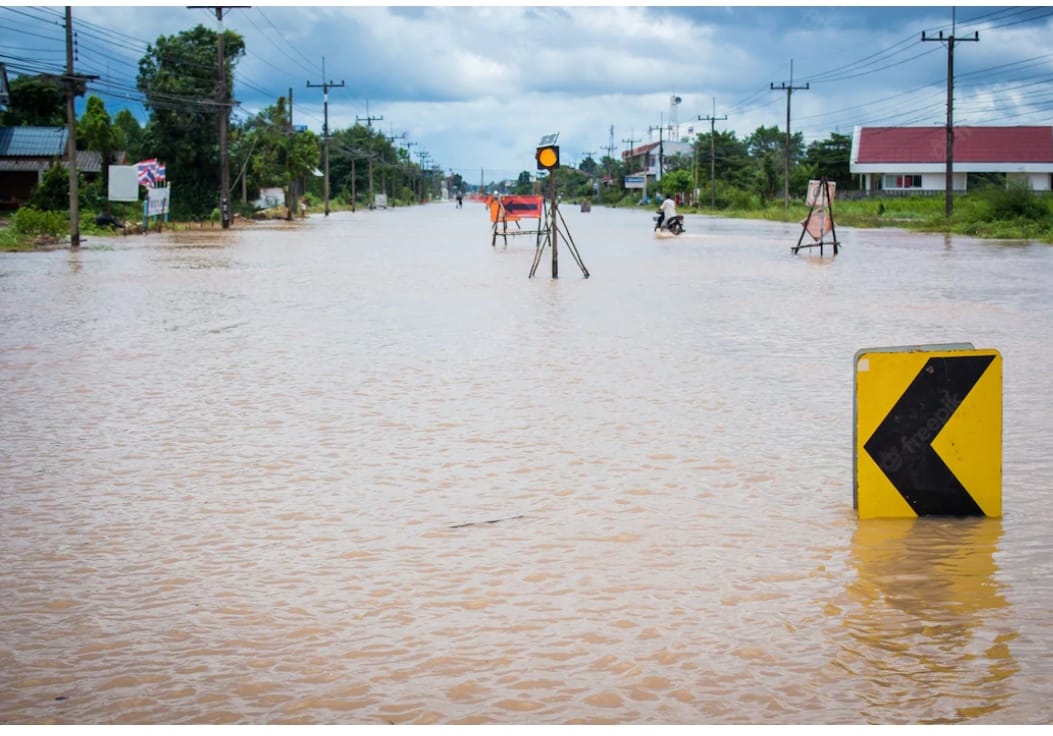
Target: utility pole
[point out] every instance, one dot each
(71, 137)
(224, 115)
(368, 118)
(661, 153)
(369, 124)
(630, 140)
(426, 161)
(713, 153)
(409, 156)
(325, 129)
(223, 109)
(396, 169)
(290, 200)
(789, 91)
(372, 198)
(587, 155)
(71, 83)
(354, 185)
(951, 40)
(610, 154)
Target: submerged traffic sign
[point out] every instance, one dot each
(928, 431)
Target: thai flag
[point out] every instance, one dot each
(147, 171)
(159, 173)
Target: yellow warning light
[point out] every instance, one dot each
(547, 157)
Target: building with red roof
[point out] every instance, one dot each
(906, 159)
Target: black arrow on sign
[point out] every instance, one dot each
(902, 443)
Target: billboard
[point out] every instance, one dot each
(124, 184)
(157, 201)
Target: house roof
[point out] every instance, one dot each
(669, 147)
(980, 145)
(89, 161)
(640, 150)
(32, 142)
(5, 90)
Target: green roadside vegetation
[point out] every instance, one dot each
(1016, 213)
(1013, 214)
(30, 228)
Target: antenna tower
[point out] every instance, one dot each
(674, 119)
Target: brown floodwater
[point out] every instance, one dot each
(361, 469)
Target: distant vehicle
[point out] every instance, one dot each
(674, 225)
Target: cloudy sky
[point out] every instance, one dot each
(475, 87)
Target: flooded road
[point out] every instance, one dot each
(361, 469)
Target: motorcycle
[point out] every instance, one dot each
(674, 225)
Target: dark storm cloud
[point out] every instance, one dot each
(477, 85)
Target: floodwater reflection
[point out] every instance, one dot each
(929, 625)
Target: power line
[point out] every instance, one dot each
(309, 64)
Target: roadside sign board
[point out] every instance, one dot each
(124, 184)
(157, 201)
(928, 432)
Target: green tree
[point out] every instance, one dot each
(260, 148)
(268, 153)
(572, 183)
(727, 156)
(302, 157)
(675, 182)
(36, 100)
(767, 148)
(95, 132)
(765, 140)
(52, 193)
(128, 135)
(177, 75)
(524, 183)
(831, 158)
(353, 150)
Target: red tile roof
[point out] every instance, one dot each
(1006, 144)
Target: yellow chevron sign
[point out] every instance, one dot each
(928, 432)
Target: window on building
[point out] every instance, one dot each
(902, 181)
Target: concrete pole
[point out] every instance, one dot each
(71, 137)
(224, 120)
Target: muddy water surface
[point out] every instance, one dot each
(362, 470)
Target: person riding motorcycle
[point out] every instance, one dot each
(666, 214)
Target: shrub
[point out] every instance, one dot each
(738, 199)
(52, 193)
(29, 221)
(1016, 202)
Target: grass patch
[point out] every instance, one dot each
(1016, 213)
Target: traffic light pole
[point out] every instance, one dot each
(552, 234)
(547, 157)
(553, 227)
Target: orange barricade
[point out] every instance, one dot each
(518, 206)
(493, 203)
